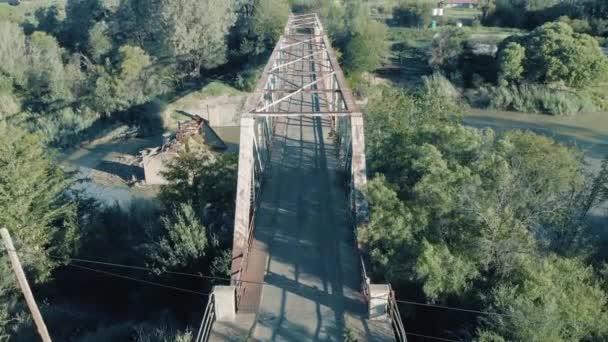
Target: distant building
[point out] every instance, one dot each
(459, 3)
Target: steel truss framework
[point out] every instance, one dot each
(301, 78)
(302, 63)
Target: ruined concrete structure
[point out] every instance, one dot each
(155, 161)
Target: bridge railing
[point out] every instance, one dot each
(240, 289)
(204, 330)
(395, 316)
(262, 144)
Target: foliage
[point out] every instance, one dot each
(247, 80)
(258, 27)
(555, 54)
(559, 300)
(222, 264)
(37, 211)
(194, 32)
(34, 205)
(184, 239)
(367, 47)
(100, 43)
(529, 98)
(417, 14)
(269, 20)
(458, 213)
(510, 62)
(447, 49)
(443, 272)
(362, 40)
(206, 181)
(590, 14)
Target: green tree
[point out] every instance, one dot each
(134, 81)
(367, 47)
(50, 81)
(510, 62)
(99, 42)
(34, 204)
(184, 240)
(417, 14)
(13, 53)
(194, 33)
(555, 54)
(36, 209)
(269, 20)
(444, 272)
(447, 49)
(559, 300)
(208, 182)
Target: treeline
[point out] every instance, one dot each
(551, 69)
(466, 218)
(587, 16)
(188, 230)
(93, 59)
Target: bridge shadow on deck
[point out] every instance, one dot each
(312, 281)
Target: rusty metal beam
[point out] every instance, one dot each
(308, 85)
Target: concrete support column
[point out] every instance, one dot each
(225, 303)
(243, 194)
(358, 168)
(378, 302)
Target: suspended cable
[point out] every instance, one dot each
(449, 308)
(431, 337)
(138, 280)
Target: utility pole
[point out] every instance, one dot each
(25, 287)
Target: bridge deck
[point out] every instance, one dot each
(305, 247)
(303, 274)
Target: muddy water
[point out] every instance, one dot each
(230, 136)
(104, 170)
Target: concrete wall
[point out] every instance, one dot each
(155, 164)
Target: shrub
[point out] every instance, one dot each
(247, 80)
(510, 60)
(554, 53)
(447, 49)
(65, 127)
(413, 14)
(439, 85)
(539, 99)
(302, 5)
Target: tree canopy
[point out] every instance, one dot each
(460, 211)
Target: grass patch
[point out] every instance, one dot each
(25, 12)
(532, 98)
(194, 101)
(217, 88)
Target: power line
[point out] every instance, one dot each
(450, 308)
(431, 337)
(141, 268)
(265, 283)
(77, 266)
(197, 275)
(138, 280)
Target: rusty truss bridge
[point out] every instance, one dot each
(297, 271)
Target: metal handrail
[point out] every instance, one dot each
(395, 315)
(244, 262)
(204, 332)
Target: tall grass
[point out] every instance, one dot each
(530, 98)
